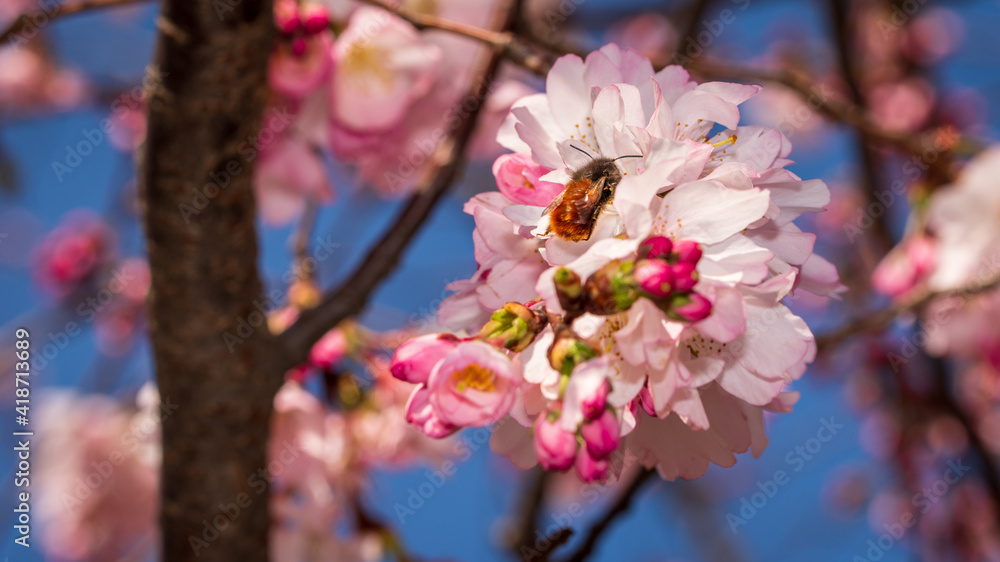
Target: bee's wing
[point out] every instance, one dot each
(555, 203)
(587, 206)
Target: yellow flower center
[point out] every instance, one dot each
(365, 59)
(476, 377)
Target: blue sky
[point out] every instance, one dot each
(463, 517)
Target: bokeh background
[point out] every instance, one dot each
(837, 498)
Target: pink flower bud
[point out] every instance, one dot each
(687, 251)
(656, 248)
(315, 18)
(590, 469)
(554, 446)
(602, 435)
(698, 308)
(415, 359)
(297, 373)
(518, 176)
(286, 16)
(594, 403)
(905, 266)
(299, 46)
(685, 276)
(330, 349)
(73, 252)
(655, 277)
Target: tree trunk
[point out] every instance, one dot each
(198, 211)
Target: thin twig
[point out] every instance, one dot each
(534, 497)
(833, 108)
(43, 14)
(951, 405)
(504, 41)
(884, 317)
(554, 540)
(300, 240)
(350, 297)
(620, 507)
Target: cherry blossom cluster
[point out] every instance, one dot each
(99, 475)
(99, 464)
(34, 81)
(367, 87)
(957, 245)
(663, 334)
(78, 264)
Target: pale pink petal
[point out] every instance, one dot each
(514, 441)
(708, 212)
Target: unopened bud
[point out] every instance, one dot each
(685, 276)
(590, 469)
(569, 289)
(554, 446)
(692, 307)
(514, 327)
(315, 18)
(655, 277)
(568, 351)
(416, 358)
(655, 248)
(602, 435)
(687, 251)
(330, 349)
(612, 288)
(286, 16)
(593, 404)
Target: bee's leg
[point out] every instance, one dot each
(590, 227)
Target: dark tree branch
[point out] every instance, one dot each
(350, 298)
(203, 261)
(620, 506)
(531, 504)
(882, 318)
(24, 21)
(948, 402)
(554, 540)
(833, 108)
(840, 12)
(696, 12)
(503, 41)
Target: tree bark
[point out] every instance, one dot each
(198, 213)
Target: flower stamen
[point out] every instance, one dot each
(476, 377)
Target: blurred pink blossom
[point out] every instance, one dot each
(98, 476)
(73, 252)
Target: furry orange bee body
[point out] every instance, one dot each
(573, 214)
